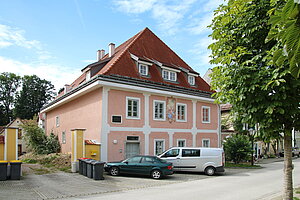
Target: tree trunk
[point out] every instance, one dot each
(288, 167)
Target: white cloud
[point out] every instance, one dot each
(134, 6)
(57, 74)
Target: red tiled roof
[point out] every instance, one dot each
(146, 45)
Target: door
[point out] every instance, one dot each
(173, 157)
(189, 160)
(132, 149)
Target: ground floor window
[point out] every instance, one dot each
(181, 142)
(205, 142)
(159, 146)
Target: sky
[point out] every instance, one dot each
(55, 39)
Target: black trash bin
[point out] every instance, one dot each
(15, 169)
(3, 170)
(84, 166)
(89, 168)
(81, 161)
(98, 168)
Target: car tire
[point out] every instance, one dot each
(156, 174)
(210, 171)
(114, 171)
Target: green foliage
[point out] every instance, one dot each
(285, 21)
(38, 141)
(9, 83)
(29, 161)
(237, 148)
(34, 95)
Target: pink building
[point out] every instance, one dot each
(139, 98)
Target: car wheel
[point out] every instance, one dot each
(156, 174)
(210, 171)
(114, 171)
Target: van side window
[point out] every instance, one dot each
(171, 153)
(190, 152)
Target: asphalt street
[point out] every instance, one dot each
(263, 184)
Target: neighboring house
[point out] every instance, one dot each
(227, 128)
(140, 98)
(21, 142)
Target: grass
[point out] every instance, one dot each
(40, 171)
(241, 165)
(29, 161)
(65, 169)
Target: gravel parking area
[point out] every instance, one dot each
(68, 185)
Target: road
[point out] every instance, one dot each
(263, 183)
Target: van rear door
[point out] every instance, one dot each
(189, 159)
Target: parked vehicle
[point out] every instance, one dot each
(146, 165)
(295, 152)
(208, 160)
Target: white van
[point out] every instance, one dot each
(208, 160)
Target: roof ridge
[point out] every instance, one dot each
(135, 37)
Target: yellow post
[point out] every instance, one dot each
(78, 148)
(11, 144)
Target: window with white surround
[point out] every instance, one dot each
(143, 69)
(181, 112)
(191, 80)
(205, 114)
(159, 110)
(159, 146)
(205, 142)
(132, 108)
(57, 121)
(169, 75)
(181, 142)
(63, 137)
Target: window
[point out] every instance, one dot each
(57, 121)
(148, 160)
(132, 108)
(190, 152)
(116, 119)
(135, 159)
(205, 142)
(169, 75)
(88, 75)
(133, 138)
(143, 69)
(191, 80)
(171, 153)
(181, 112)
(63, 137)
(159, 146)
(159, 110)
(181, 142)
(205, 114)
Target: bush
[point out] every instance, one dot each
(38, 141)
(237, 148)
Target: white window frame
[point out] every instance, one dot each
(159, 140)
(63, 137)
(181, 140)
(169, 75)
(88, 75)
(146, 69)
(138, 110)
(185, 114)
(164, 110)
(191, 80)
(116, 122)
(206, 139)
(57, 121)
(202, 113)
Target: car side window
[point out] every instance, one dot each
(190, 152)
(136, 159)
(147, 160)
(171, 153)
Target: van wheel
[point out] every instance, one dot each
(156, 174)
(210, 171)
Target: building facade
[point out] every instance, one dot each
(140, 98)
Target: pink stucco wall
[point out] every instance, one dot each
(117, 106)
(116, 151)
(175, 124)
(187, 136)
(158, 135)
(212, 136)
(213, 116)
(83, 112)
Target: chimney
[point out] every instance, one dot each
(111, 49)
(100, 54)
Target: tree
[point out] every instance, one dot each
(246, 75)
(237, 148)
(9, 83)
(34, 95)
(285, 21)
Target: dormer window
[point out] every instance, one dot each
(88, 75)
(143, 69)
(191, 80)
(169, 75)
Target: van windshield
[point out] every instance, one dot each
(171, 153)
